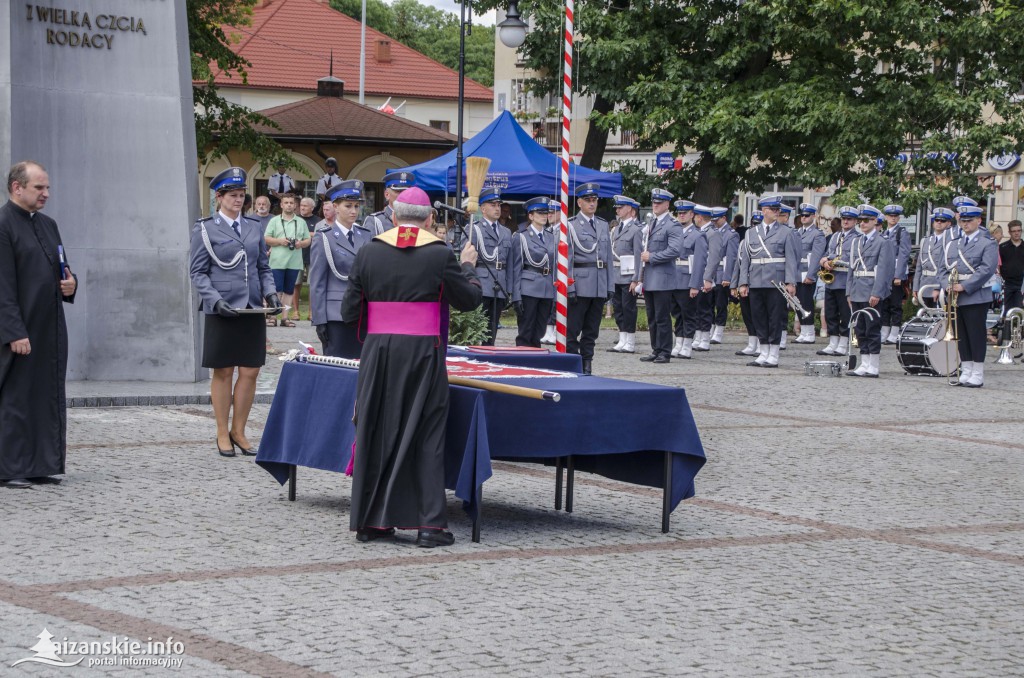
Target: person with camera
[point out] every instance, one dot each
(287, 235)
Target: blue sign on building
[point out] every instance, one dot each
(665, 160)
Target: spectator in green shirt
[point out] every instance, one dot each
(287, 235)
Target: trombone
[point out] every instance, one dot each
(950, 309)
(791, 300)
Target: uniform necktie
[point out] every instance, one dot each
(350, 240)
(767, 231)
(592, 223)
(330, 181)
(542, 241)
(280, 184)
(238, 229)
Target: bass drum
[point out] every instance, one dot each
(922, 350)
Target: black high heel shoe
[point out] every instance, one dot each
(246, 452)
(230, 452)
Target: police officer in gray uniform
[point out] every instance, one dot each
(627, 246)
(773, 254)
(656, 277)
(892, 311)
(931, 258)
(705, 312)
(554, 229)
(533, 273)
(684, 217)
(394, 184)
(331, 255)
(836, 260)
(872, 263)
(690, 265)
(590, 258)
(723, 242)
(493, 243)
(812, 248)
(756, 218)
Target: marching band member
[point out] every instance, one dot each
(705, 314)
(693, 256)
(656, 277)
(931, 259)
(955, 232)
(773, 254)
(394, 184)
(974, 257)
(533, 274)
(722, 245)
(331, 255)
(627, 246)
(493, 243)
(837, 309)
(872, 262)
(812, 248)
(684, 217)
(785, 212)
(756, 217)
(590, 256)
(892, 308)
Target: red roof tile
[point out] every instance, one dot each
(343, 120)
(289, 45)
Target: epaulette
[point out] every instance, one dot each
(324, 229)
(246, 216)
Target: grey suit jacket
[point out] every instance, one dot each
(722, 248)
(499, 261)
(980, 254)
(378, 222)
(591, 271)
(527, 281)
(840, 244)
(775, 256)
(871, 269)
(243, 285)
(930, 262)
(664, 241)
(901, 246)
(627, 240)
(692, 259)
(326, 290)
(812, 248)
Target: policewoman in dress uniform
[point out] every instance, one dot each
(812, 248)
(656, 277)
(627, 246)
(869, 281)
(493, 242)
(684, 217)
(690, 265)
(705, 312)
(931, 260)
(590, 258)
(394, 184)
(722, 245)
(974, 256)
(837, 261)
(772, 254)
(554, 229)
(756, 218)
(230, 270)
(533, 273)
(892, 311)
(331, 255)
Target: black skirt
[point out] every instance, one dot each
(235, 342)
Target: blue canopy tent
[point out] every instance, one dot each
(519, 165)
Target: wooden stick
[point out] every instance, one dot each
(535, 393)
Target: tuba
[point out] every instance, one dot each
(1013, 326)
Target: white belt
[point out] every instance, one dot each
(769, 260)
(863, 274)
(687, 262)
(965, 277)
(841, 269)
(929, 273)
(721, 264)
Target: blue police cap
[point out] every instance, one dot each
(847, 212)
(756, 217)
(770, 201)
(346, 190)
(807, 209)
(703, 210)
(719, 212)
(540, 204)
(866, 211)
(894, 210)
(587, 190)
(785, 208)
(399, 181)
(684, 205)
(970, 211)
(490, 194)
(943, 213)
(625, 200)
(961, 200)
(230, 179)
(660, 195)
(554, 206)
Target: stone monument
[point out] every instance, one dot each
(99, 92)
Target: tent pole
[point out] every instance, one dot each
(562, 281)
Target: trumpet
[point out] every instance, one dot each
(791, 300)
(827, 276)
(1013, 335)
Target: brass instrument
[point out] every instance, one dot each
(1013, 335)
(791, 300)
(950, 309)
(872, 314)
(826, 276)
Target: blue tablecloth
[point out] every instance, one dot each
(564, 362)
(618, 429)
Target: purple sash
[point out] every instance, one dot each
(415, 318)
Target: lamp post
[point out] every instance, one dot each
(512, 33)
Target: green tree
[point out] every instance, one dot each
(379, 15)
(808, 91)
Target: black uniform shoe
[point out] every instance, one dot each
(649, 358)
(16, 483)
(45, 480)
(661, 360)
(430, 538)
(746, 354)
(587, 365)
(365, 534)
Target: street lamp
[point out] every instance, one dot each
(512, 33)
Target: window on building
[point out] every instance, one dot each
(519, 96)
(443, 125)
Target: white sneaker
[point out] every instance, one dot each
(687, 348)
(677, 347)
(630, 345)
(977, 376)
(966, 372)
(773, 356)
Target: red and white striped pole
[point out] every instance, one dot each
(562, 281)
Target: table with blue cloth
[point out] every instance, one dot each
(636, 447)
(548, 360)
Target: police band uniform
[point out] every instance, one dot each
(627, 247)
(931, 259)
(394, 184)
(723, 243)
(661, 244)
(837, 308)
(772, 254)
(892, 308)
(533, 274)
(705, 313)
(683, 216)
(590, 257)
(332, 254)
(868, 283)
(752, 347)
(812, 248)
(974, 256)
(230, 269)
(690, 264)
(494, 245)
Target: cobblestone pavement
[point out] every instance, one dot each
(842, 527)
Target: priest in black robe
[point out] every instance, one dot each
(35, 283)
(397, 288)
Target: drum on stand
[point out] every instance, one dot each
(922, 348)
